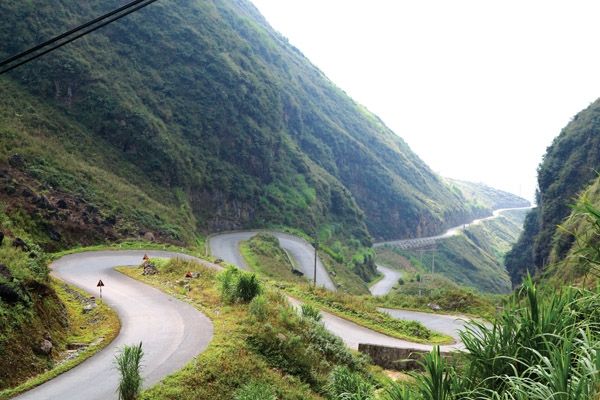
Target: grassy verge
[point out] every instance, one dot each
(94, 330)
(362, 311)
(134, 245)
(419, 290)
(264, 343)
(264, 255)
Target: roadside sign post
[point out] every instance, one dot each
(100, 284)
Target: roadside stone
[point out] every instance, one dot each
(45, 347)
(434, 307)
(20, 244)
(281, 337)
(149, 268)
(149, 236)
(88, 307)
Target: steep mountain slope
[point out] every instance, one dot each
(569, 166)
(487, 196)
(192, 117)
(574, 256)
(474, 258)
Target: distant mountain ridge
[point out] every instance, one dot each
(193, 117)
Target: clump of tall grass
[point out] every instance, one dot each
(238, 286)
(129, 362)
(544, 346)
(311, 312)
(255, 391)
(344, 384)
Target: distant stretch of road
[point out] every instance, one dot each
(172, 332)
(227, 247)
(430, 240)
(391, 276)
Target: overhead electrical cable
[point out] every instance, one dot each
(95, 24)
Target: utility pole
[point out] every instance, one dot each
(315, 271)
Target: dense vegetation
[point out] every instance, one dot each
(262, 348)
(194, 117)
(569, 167)
(575, 256)
(544, 345)
(474, 258)
(39, 317)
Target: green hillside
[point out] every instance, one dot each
(487, 196)
(474, 258)
(193, 117)
(569, 166)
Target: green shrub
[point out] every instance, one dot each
(258, 308)
(128, 362)
(247, 287)
(255, 391)
(311, 312)
(236, 285)
(344, 384)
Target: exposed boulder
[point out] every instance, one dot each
(20, 244)
(44, 347)
(149, 236)
(149, 268)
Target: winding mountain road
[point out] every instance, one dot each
(172, 332)
(391, 276)
(226, 247)
(429, 240)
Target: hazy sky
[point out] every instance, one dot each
(477, 88)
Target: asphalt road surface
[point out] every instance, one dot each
(430, 240)
(390, 278)
(227, 247)
(172, 332)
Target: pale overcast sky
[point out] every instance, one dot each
(477, 88)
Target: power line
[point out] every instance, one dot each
(128, 8)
